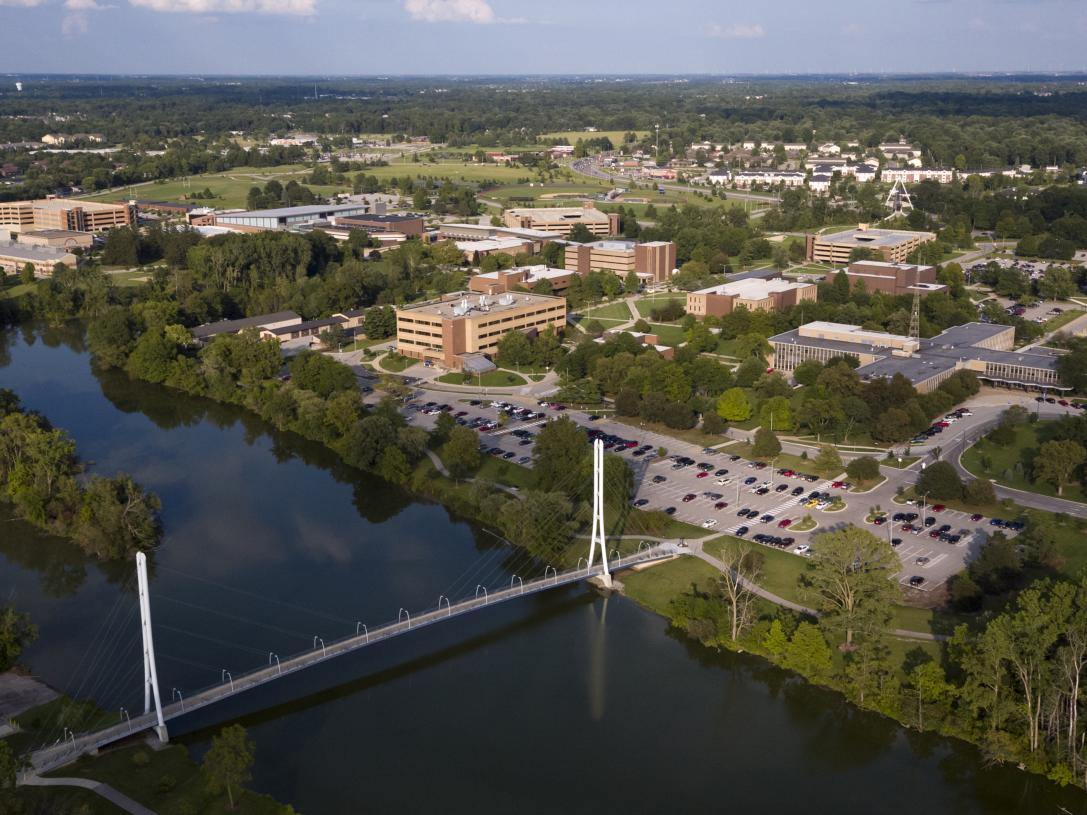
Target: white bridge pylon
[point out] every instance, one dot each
(598, 513)
(150, 671)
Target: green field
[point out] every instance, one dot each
(645, 305)
(780, 570)
(656, 587)
(611, 311)
(668, 334)
(571, 136)
(396, 363)
(544, 193)
(987, 460)
(491, 379)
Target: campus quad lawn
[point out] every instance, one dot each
(657, 586)
(668, 334)
(610, 311)
(396, 364)
(646, 304)
(1002, 461)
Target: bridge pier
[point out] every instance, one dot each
(164, 736)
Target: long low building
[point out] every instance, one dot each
(15, 256)
(654, 261)
(408, 224)
(258, 220)
(481, 232)
(278, 319)
(64, 213)
(984, 348)
(561, 220)
(67, 239)
(893, 246)
(525, 277)
(754, 294)
(456, 331)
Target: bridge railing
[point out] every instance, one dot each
(63, 753)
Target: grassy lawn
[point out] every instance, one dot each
(693, 436)
(780, 570)
(603, 321)
(363, 344)
(396, 364)
(491, 379)
(611, 311)
(544, 193)
(571, 136)
(668, 334)
(16, 290)
(790, 462)
(988, 460)
(502, 471)
(1063, 319)
(906, 461)
(865, 486)
(167, 781)
(646, 304)
(728, 348)
(658, 585)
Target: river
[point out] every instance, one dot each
(563, 702)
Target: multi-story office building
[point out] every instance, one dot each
(560, 220)
(892, 245)
(983, 348)
(408, 224)
(754, 294)
(891, 278)
(64, 213)
(654, 261)
(458, 329)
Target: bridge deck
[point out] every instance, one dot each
(58, 755)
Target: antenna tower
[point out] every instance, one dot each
(915, 314)
(898, 200)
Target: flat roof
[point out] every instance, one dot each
(753, 287)
(305, 326)
(290, 212)
(559, 214)
(497, 230)
(612, 245)
(886, 264)
(385, 219)
(916, 369)
(57, 233)
(480, 305)
(488, 244)
(24, 252)
(763, 272)
(534, 272)
(873, 237)
(69, 203)
(794, 336)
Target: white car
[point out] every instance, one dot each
(709, 523)
(722, 481)
(802, 549)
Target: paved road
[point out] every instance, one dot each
(104, 790)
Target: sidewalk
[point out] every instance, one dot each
(97, 787)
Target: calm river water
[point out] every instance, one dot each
(561, 703)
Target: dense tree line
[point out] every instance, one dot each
(108, 517)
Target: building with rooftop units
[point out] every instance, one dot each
(891, 278)
(462, 327)
(890, 245)
(15, 256)
(985, 349)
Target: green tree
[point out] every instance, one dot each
(631, 283)
(394, 465)
(807, 372)
(979, 492)
(560, 450)
(941, 481)
(733, 405)
(461, 454)
(321, 374)
(26, 274)
(849, 578)
(117, 518)
(110, 338)
(443, 427)
(776, 414)
(766, 444)
(151, 357)
(775, 642)
(16, 633)
(807, 653)
(863, 469)
(931, 688)
(228, 762)
(1057, 462)
(581, 234)
(828, 460)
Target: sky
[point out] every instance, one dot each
(391, 37)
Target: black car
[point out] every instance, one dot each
(781, 488)
(742, 513)
(929, 521)
(750, 480)
(670, 511)
(766, 518)
(916, 581)
(641, 502)
(743, 530)
(733, 458)
(896, 541)
(659, 479)
(721, 472)
(797, 491)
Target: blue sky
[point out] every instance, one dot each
(553, 36)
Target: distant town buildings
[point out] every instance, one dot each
(985, 349)
(560, 220)
(754, 294)
(654, 261)
(461, 331)
(769, 178)
(64, 213)
(61, 139)
(915, 175)
(837, 247)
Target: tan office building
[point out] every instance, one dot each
(15, 256)
(754, 294)
(464, 325)
(66, 239)
(891, 245)
(64, 213)
(524, 277)
(653, 261)
(560, 220)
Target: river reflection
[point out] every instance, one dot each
(566, 702)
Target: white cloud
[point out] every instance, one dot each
(737, 31)
(447, 11)
(299, 8)
(21, 3)
(84, 5)
(74, 25)
(853, 29)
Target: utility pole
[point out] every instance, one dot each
(150, 672)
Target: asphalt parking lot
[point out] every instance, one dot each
(939, 560)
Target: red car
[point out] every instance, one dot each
(702, 474)
(689, 497)
(720, 505)
(836, 485)
(787, 473)
(938, 507)
(784, 524)
(977, 516)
